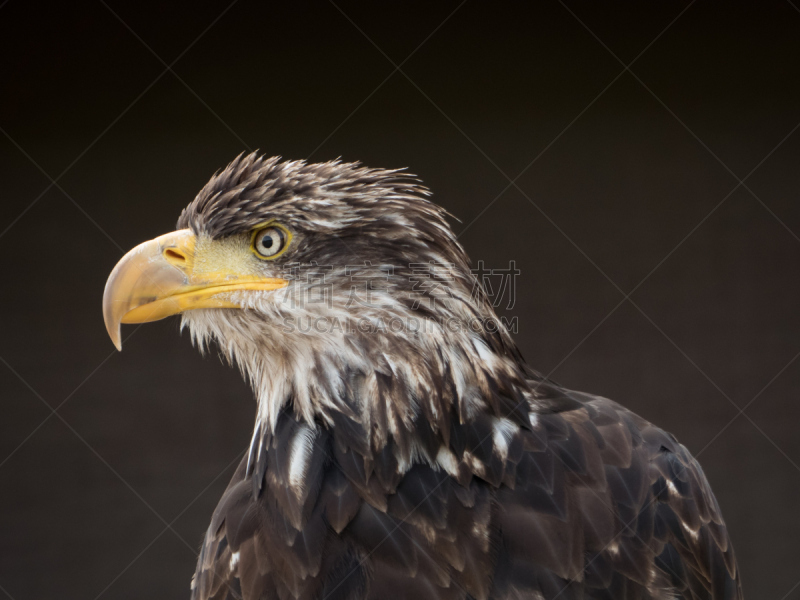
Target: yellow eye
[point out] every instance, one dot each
(270, 241)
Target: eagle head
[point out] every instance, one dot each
(337, 289)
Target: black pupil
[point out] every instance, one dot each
(266, 241)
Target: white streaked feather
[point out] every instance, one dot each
(299, 455)
(447, 461)
(503, 430)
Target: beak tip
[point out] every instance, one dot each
(116, 337)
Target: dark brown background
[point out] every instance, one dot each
(638, 183)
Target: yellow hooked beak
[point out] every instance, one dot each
(158, 279)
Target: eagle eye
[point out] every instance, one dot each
(270, 241)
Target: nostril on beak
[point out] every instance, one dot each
(175, 257)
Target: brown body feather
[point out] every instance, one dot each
(588, 502)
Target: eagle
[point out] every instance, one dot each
(402, 447)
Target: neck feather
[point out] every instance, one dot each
(379, 374)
